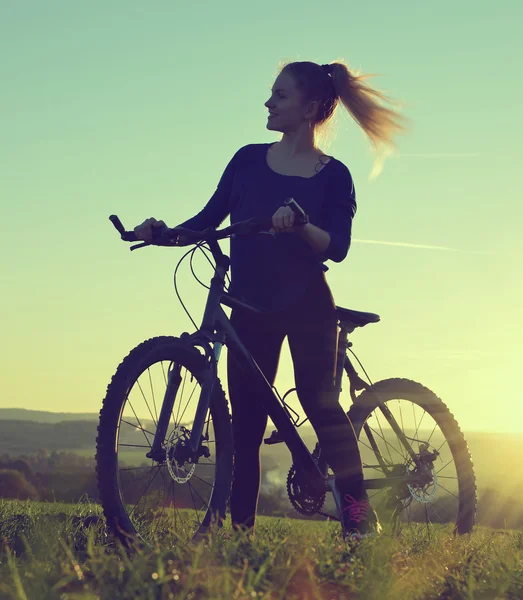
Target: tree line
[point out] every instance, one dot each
(66, 476)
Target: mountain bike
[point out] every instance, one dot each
(164, 451)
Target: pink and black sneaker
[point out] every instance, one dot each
(358, 519)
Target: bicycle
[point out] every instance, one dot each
(190, 449)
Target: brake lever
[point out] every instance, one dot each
(157, 233)
(142, 245)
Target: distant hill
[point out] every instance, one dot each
(42, 416)
(496, 456)
(27, 437)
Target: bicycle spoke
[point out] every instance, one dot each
(177, 514)
(194, 507)
(156, 522)
(187, 404)
(139, 423)
(451, 460)
(134, 445)
(414, 415)
(193, 487)
(133, 425)
(202, 480)
(387, 444)
(388, 464)
(134, 481)
(148, 485)
(206, 426)
(376, 467)
(436, 513)
(383, 436)
(448, 491)
(196, 513)
(146, 403)
(432, 432)
(427, 519)
(444, 442)
(401, 416)
(135, 468)
(376, 493)
(419, 424)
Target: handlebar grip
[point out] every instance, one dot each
(117, 223)
(302, 216)
(127, 236)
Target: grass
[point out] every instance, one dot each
(58, 551)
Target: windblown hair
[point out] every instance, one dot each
(336, 82)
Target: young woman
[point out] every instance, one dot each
(284, 273)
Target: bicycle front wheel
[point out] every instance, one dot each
(441, 487)
(161, 500)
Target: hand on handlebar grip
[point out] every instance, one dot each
(300, 216)
(150, 229)
(289, 218)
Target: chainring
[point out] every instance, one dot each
(304, 498)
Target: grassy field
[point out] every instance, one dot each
(58, 551)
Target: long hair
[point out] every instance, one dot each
(334, 83)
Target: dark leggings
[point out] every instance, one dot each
(311, 327)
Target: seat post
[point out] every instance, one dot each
(343, 344)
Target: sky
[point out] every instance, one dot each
(136, 108)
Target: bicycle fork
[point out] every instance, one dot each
(192, 450)
(174, 379)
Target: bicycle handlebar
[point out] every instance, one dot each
(128, 236)
(179, 236)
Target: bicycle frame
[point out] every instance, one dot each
(215, 331)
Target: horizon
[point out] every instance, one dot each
(304, 426)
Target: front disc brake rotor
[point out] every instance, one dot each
(180, 473)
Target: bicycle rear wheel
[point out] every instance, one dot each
(440, 491)
(161, 500)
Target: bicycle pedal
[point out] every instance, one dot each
(274, 438)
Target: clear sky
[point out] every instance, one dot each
(135, 108)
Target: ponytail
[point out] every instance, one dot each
(332, 83)
(379, 123)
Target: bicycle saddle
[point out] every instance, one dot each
(356, 317)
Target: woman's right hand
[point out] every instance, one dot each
(144, 231)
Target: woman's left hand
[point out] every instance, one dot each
(283, 220)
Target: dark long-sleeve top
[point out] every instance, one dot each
(271, 271)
